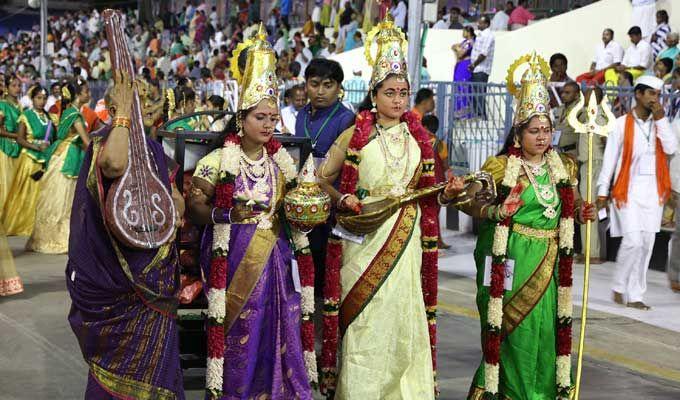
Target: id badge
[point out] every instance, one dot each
(295, 271)
(648, 164)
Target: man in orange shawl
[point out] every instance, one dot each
(636, 157)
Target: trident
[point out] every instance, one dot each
(590, 128)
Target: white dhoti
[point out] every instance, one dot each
(632, 262)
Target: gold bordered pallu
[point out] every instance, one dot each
(525, 298)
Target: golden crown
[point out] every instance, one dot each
(259, 80)
(390, 56)
(532, 95)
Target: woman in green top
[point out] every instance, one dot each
(18, 214)
(57, 186)
(9, 149)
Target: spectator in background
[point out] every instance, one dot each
(644, 16)
(441, 160)
(454, 19)
(662, 70)
(461, 73)
(501, 19)
(302, 55)
(424, 74)
(638, 57)
(354, 41)
(482, 60)
(658, 40)
(399, 12)
(673, 267)
(323, 51)
(566, 136)
(558, 77)
(520, 16)
(673, 115)
(424, 103)
(443, 21)
(608, 55)
(356, 87)
(671, 51)
(295, 99)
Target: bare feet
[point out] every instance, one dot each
(639, 305)
(443, 246)
(618, 298)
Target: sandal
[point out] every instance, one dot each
(639, 305)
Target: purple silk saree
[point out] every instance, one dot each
(263, 350)
(123, 300)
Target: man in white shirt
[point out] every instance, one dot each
(635, 156)
(303, 57)
(482, 60)
(608, 55)
(638, 57)
(399, 13)
(643, 15)
(296, 100)
(500, 20)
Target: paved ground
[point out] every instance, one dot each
(626, 358)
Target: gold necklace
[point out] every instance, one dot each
(545, 194)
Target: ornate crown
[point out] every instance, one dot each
(259, 76)
(390, 56)
(532, 95)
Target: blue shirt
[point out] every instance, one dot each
(341, 120)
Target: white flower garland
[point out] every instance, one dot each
(499, 249)
(229, 164)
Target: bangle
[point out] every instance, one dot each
(441, 201)
(225, 218)
(124, 122)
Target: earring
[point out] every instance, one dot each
(374, 110)
(341, 94)
(240, 133)
(516, 143)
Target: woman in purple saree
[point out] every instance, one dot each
(462, 73)
(254, 311)
(123, 300)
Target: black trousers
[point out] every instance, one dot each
(478, 94)
(318, 240)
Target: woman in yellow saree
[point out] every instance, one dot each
(10, 109)
(374, 299)
(58, 185)
(33, 135)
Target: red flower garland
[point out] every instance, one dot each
(429, 225)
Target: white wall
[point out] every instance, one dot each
(574, 34)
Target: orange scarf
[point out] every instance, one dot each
(663, 178)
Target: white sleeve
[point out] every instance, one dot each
(646, 57)
(665, 134)
(610, 159)
(618, 54)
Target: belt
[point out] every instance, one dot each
(535, 233)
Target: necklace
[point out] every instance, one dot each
(545, 194)
(41, 117)
(257, 171)
(536, 169)
(387, 139)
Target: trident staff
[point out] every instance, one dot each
(590, 128)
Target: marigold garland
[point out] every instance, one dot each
(493, 334)
(217, 280)
(429, 225)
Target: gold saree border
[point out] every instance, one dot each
(129, 388)
(525, 298)
(380, 267)
(477, 393)
(248, 273)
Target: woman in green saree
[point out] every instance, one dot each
(9, 148)
(57, 186)
(524, 258)
(18, 214)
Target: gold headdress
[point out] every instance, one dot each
(390, 56)
(532, 96)
(259, 80)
